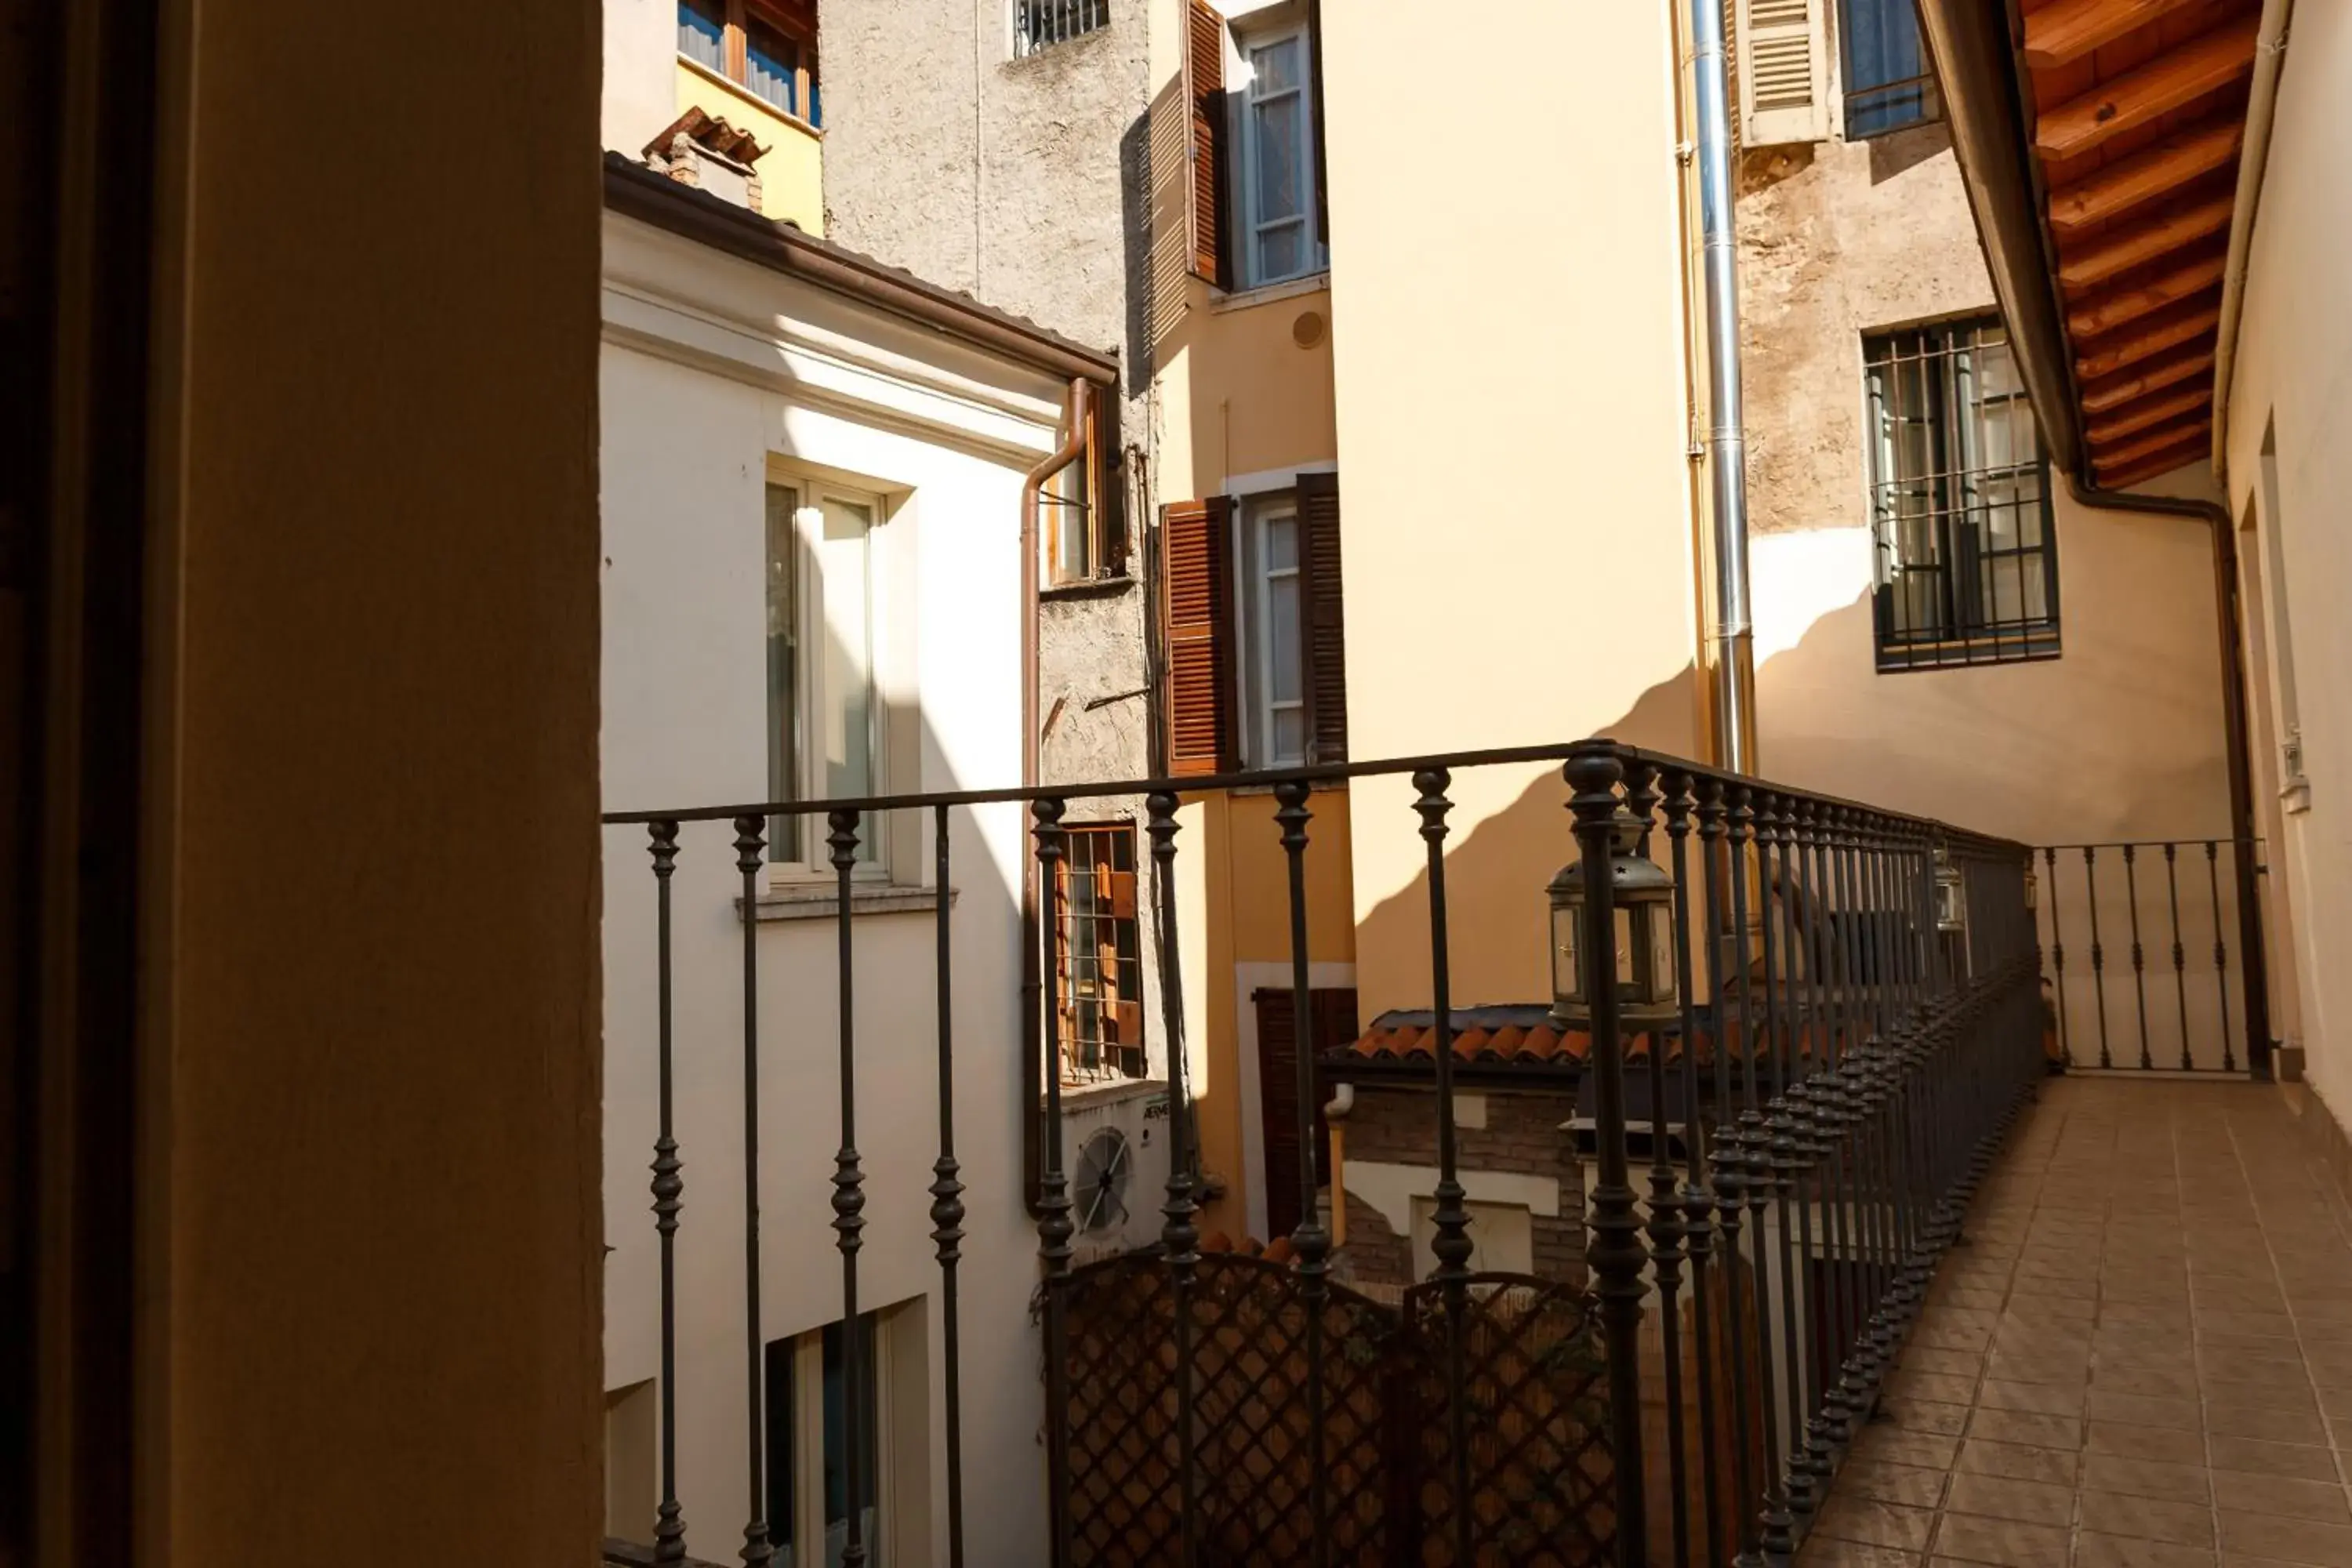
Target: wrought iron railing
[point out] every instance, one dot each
(1851, 1022)
(2161, 916)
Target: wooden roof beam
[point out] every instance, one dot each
(2106, 396)
(2111, 308)
(2072, 29)
(2181, 75)
(2188, 446)
(2182, 224)
(2153, 171)
(2149, 442)
(2168, 328)
(2144, 412)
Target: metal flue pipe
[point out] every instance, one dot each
(1732, 634)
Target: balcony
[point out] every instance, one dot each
(1795, 1032)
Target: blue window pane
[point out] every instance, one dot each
(702, 34)
(1887, 81)
(769, 59)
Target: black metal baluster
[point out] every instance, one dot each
(1730, 1157)
(1666, 1222)
(2222, 951)
(750, 854)
(1053, 1227)
(1841, 1085)
(1757, 1185)
(1698, 1200)
(1179, 1237)
(1451, 1220)
(849, 1195)
(2058, 959)
(1311, 1240)
(947, 1197)
(1818, 1462)
(1776, 1163)
(1615, 1253)
(1826, 1095)
(2098, 952)
(2139, 959)
(2180, 954)
(668, 1189)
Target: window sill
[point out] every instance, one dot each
(1095, 588)
(1970, 653)
(1269, 293)
(821, 901)
(734, 89)
(1092, 1094)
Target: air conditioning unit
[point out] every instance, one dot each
(1114, 1149)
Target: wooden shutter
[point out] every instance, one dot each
(1781, 52)
(1205, 94)
(1325, 627)
(1196, 542)
(1333, 1024)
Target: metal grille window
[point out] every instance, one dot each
(1888, 83)
(1100, 958)
(1967, 571)
(1041, 23)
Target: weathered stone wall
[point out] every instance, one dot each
(1835, 240)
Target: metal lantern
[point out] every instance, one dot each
(2032, 889)
(1644, 901)
(1951, 894)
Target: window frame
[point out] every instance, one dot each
(1254, 631)
(1110, 1060)
(1963, 630)
(795, 849)
(734, 67)
(1095, 505)
(807, 1543)
(1247, 260)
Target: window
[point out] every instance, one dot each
(1254, 631)
(1967, 571)
(1039, 24)
(1279, 236)
(767, 47)
(1099, 967)
(1077, 508)
(1889, 82)
(807, 1441)
(824, 718)
(1276, 635)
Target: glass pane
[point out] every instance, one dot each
(783, 667)
(702, 34)
(1567, 973)
(837, 1442)
(1069, 525)
(1282, 251)
(1276, 68)
(1661, 951)
(1285, 645)
(1281, 542)
(769, 58)
(1625, 974)
(1289, 735)
(845, 587)
(1279, 130)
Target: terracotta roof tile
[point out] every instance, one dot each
(1517, 1032)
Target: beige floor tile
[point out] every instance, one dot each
(2267, 1422)
(1997, 1497)
(2147, 1477)
(2148, 1519)
(2094, 1551)
(1965, 1538)
(2288, 1540)
(1823, 1551)
(1911, 1486)
(2024, 1426)
(2283, 1494)
(1875, 1523)
(2138, 1410)
(2019, 1462)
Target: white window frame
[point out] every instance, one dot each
(809, 863)
(808, 1544)
(1256, 613)
(1250, 262)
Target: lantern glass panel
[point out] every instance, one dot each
(1567, 963)
(1627, 977)
(1662, 951)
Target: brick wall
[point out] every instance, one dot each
(1397, 1124)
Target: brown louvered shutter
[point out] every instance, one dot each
(1204, 92)
(1327, 626)
(1196, 540)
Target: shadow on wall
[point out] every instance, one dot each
(1496, 873)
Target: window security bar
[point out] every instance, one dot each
(1041, 23)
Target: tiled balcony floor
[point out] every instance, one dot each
(2141, 1358)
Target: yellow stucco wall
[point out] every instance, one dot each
(1240, 393)
(2293, 391)
(1510, 375)
(792, 174)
